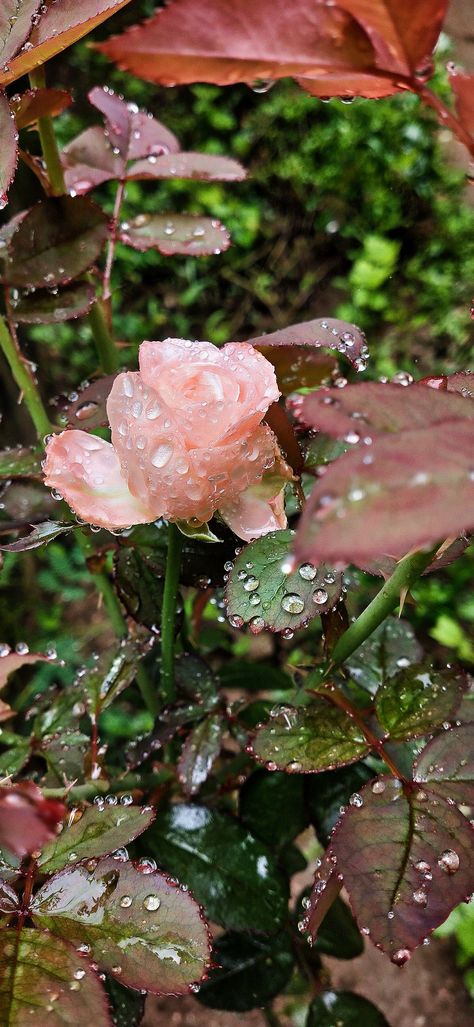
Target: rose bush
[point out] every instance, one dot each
(187, 440)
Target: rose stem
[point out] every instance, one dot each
(168, 615)
(25, 380)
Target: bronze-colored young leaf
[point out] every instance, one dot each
(134, 133)
(462, 85)
(325, 891)
(406, 857)
(9, 148)
(46, 306)
(392, 496)
(187, 234)
(89, 160)
(446, 764)
(44, 980)
(141, 928)
(40, 535)
(10, 660)
(264, 593)
(56, 241)
(200, 749)
(417, 700)
(27, 819)
(22, 462)
(15, 26)
(98, 832)
(9, 901)
(39, 103)
(326, 333)
(208, 167)
(88, 409)
(309, 739)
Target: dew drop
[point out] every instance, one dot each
(256, 625)
(320, 596)
(151, 902)
(401, 956)
(356, 800)
(292, 603)
(307, 571)
(162, 455)
(449, 861)
(420, 897)
(125, 901)
(251, 583)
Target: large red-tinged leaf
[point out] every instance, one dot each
(463, 88)
(98, 832)
(15, 26)
(44, 980)
(264, 590)
(355, 46)
(463, 382)
(88, 410)
(328, 333)
(447, 764)
(324, 892)
(370, 408)
(46, 306)
(39, 103)
(309, 739)
(417, 700)
(208, 167)
(8, 150)
(187, 234)
(89, 160)
(21, 462)
(134, 133)
(407, 858)
(57, 240)
(392, 496)
(11, 661)
(40, 535)
(61, 24)
(200, 749)
(141, 928)
(27, 820)
(447, 553)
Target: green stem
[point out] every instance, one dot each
(400, 582)
(168, 616)
(106, 350)
(48, 139)
(25, 380)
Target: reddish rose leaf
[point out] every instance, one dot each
(187, 234)
(417, 700)
(9, 148)
(462, 85)
(88, 411)
(39, 103)
(15, 26)
(298, 367)
(134, 133)
(27, 820)
(406, 857)
(9, 902)
(97, 832)
(50, 307)
(370, 408)
(392, 496)
(463, 382)
(199, 751)
(57, 240)
(447, 553)
(142, 923)
(63, 23)
(447, 764)
(89, 160)
(45, 980)
(204, 166)
(11, 661)
(357, 46)
(40, 535)
(328, 333)
(324, 892)
(309, 739)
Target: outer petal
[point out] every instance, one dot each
(85, 470)
(251, 516)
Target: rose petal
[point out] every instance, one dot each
(250, 516)
(85, 470)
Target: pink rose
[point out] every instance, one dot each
(187, 440)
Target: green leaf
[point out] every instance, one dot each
(40, 535)
(338, 935)
(391, 648)
(309, 739)
(98, 832)
(230, 872)
(56, 241)
(44, 980)
(21, 462)
(327, 793)
(187, 234)
(251, 970)
(344, 1009)
(199, 751)
(417, 700)
(15, 757)
(263, 798)
(139, 586)
(126, 1006)
(112, 673)
(323, 450)
(51, 307)
(199, 532)
(263, 594)
(142, 923)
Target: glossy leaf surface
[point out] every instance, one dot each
(207, 167)
(344, 1009)
(56, 241)
(309, 739)
(263, 798)
(338, 935)
(52, 307)
(21, 462)
(447, 764)
(39, 103)
(391, 648)
(150, 928)
(417, 700)
(188, 234)
(40, 535)
(326, 333)
(9, 150)
(199, 752)
(251, 969)
(98, 832)
(111, 674)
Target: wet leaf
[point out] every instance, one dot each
(39, 103)
(263, 593)
(139, 586)
(21, 462)
(326, 793)
(134, 133)
(9, 150)
(64, 22)
(344, 1008)
(417, 700)
(188, 234)
(88, 409)
(43, 979)
(112, 673)
(51, 307)
(98, 832)
(324, 893)
(199, 752)
(65, 755)
(323, 450)
(447, 553)
(405, 852)
(200, 532)
(447, 764)
(391, 497)
(462, 85)
(262, 799)
(327, 333)
(389, 649)
(15, 756)
(338, 935)
(150, 928)
(251, 969)
(10, 660)
(9, 901)
(461, 381)
(299, 367)
(126, 1006)
(56, 241)
(229, 871)
(371, 408)
(309, 739)
(40, 535)
(89, 160)
(27, 820)
(15, 26)
(207, 167)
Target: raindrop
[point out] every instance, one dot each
(378, 787)
(401, 956)
(307, 571)
(125, 901)
(256, 625)
(254, 599)
(146, 866)
(356, 800)
(235, 621)
(151, 902)
(292, 603)
(320, 596)
(251, 584)
(262, 85)
(420, 897)
(79, 974)
(22, 649)
(449, 861)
